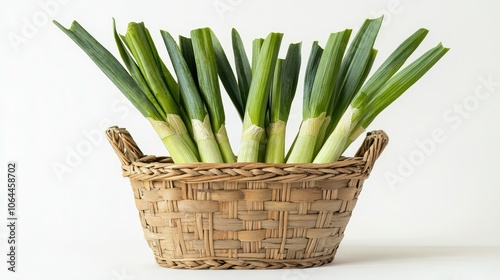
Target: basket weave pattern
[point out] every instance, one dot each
(244, 215)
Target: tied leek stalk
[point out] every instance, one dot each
(354, 69)
(340, 98)
(255, 112)
(200, 120)
(208, 82)
(315, 105)
(154, 77)
(170, 128)
(377, 95)
(285, 82)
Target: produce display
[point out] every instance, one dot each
(341, 93)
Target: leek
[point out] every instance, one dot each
(355, 119)
(256, 107)
(155, 75)
(181, 151)
(209, 88)
(284, 86)
(204, 137)
(354, 69)
(315, 108)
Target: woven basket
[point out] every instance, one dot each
(244, 215)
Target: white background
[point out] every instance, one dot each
(433, 215)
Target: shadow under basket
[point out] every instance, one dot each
(244, 215)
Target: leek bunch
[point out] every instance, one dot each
(340, 98)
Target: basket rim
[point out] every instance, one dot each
(209, 172)
(166, 161)
(136, 165)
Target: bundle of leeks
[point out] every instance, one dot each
(339, 100)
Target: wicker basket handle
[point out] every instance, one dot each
(373, 145)
(124, 145)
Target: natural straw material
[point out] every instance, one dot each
(244, 215)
